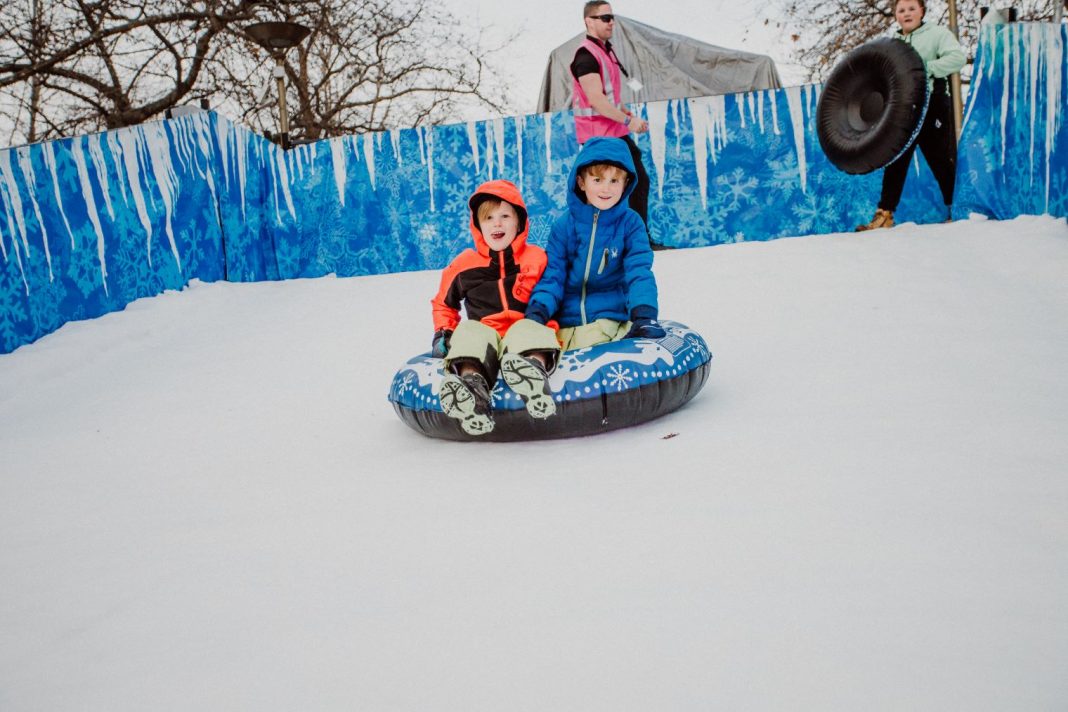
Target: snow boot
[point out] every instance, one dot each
(883, 218)
(528, 379)
(467, 399)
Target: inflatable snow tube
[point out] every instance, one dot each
(872, 106)
(596, 389)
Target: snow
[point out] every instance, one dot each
(208, 503)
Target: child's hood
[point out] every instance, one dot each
(602, 149)
(507, 191)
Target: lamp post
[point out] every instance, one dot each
(276, 38)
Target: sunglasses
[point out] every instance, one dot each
(604, 18)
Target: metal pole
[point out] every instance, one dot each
(954, 79)
(283, 113)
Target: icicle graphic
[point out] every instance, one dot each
(159, 154)
(1032, 81)
(158, 147)
(369, 154)
(90, 205)
(182, 144)
(100, 165)
(498, 134)
(337, 159)
(489, 151)
(241, 149)
(116, 150)
(223, 133)
(1054, 101)
(795, 100)
(675, 108)
(28, 175)
(283, 178)
(14, 242)
(395, 139)
(520, 126)
(760, 110)
(295, 160)
(773, 97)
(656, 113)
(739, 103)
(3, 245)
(472, 138)
(272, 169)
(422, 145)
(430, 165)
(50, 163)
(10, 222)
(7, 174)
(203, 129)
(1007, 88)
(127, 139)
(708, 117)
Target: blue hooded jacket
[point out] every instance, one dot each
(600, 262)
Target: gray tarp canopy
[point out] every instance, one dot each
(669, 66)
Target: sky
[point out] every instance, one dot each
(207, 503)
(544, 25)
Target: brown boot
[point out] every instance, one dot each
(883, 218)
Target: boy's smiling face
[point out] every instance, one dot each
(909, 15)
(499, 225)
(603, 185)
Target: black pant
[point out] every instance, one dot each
(938, 141)
(639, 199)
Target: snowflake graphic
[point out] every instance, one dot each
(698, 345)
(809, 212)
(428, 233)
(738, 185)
(619, 377)
(407, 383)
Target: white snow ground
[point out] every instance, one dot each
(207, 502)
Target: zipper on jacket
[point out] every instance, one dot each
(500, 284)
(589, 263)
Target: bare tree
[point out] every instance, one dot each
(368, 65)
(824, 32)
(109, 63)
(70, 66)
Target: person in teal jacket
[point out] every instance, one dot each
(942, 56)
(598, 283)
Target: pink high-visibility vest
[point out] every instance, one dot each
(588, 122)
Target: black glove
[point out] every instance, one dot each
(537, 312)
(439, 347)
(644, 324)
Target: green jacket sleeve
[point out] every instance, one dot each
(948, 57)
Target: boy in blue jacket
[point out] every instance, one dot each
(599, 282)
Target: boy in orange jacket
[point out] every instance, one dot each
(493, 282)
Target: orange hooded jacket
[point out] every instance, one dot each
(494, 286)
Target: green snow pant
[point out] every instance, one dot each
(596, 332)
(473, 340)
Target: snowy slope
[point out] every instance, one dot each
(208, 503)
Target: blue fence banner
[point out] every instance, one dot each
(91, 223)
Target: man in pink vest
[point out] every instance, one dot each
(597, 96)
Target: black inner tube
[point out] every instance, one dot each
(872, 105)
(865, 111)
